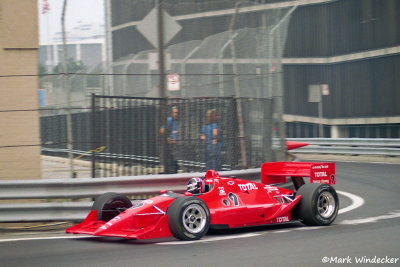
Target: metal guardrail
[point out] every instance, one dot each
(41, 212)
(350, 146)
(71, 189)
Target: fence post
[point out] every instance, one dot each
(163, 141)
(92, 135)
(242, 138)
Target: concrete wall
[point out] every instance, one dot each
(19, 116)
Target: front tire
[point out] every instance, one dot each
(188, 218)
(319, 204)
(109, 205)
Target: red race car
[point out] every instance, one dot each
(220, 202)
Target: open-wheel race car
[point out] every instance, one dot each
(220, 202)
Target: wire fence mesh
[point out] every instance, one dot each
(125, 132)
(227, 48)
(234, 69)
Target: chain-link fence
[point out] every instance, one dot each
(228, 56)
(233, 67)
(238, 55)
(123, 134)
(243, 58)
(82, 83)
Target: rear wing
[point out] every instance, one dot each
(277, 172)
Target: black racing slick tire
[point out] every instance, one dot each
(109, 205)
(318, 205)
(188, 218)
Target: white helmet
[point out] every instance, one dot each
(196, 185)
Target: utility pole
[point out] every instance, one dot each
(277, 93)
(162, 95)
(161, 63)
(236, 83)
(68, 92)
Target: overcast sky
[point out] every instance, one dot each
(78, 12)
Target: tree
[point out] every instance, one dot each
(72, 66)
(42, 69)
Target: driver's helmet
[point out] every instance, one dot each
(196, 185)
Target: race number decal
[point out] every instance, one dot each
(234, 199)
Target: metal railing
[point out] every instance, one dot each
(68, 191)
(350, 146)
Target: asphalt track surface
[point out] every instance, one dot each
(367, 229)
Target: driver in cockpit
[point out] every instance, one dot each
(198, 185)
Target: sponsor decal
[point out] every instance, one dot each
(320, 174)
(271, 188)
(321, 181)
(282, 219)
(247, 187)
(110, 223)
(323, 173)
(137, 205)
(221, 191)
(231, 182)
(320, 167)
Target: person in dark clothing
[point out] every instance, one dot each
(211, 134)
(171, 164)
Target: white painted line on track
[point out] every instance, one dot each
(308, 228)
(357, 201)
(210, 239)
(281, 231)
(390, 215)
(43, 238)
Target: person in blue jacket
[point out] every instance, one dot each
(211, 134)
(172, 141)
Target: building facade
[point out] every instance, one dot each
(89, 53)
(349, 47)
(19, 116)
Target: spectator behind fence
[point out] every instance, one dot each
(171, 164)
(211, 134)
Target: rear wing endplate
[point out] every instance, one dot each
(319, 172)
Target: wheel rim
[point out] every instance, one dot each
(194, 218)
(326, 205)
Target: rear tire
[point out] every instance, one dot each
(188, 218)
(319, 204)
(109, 205)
